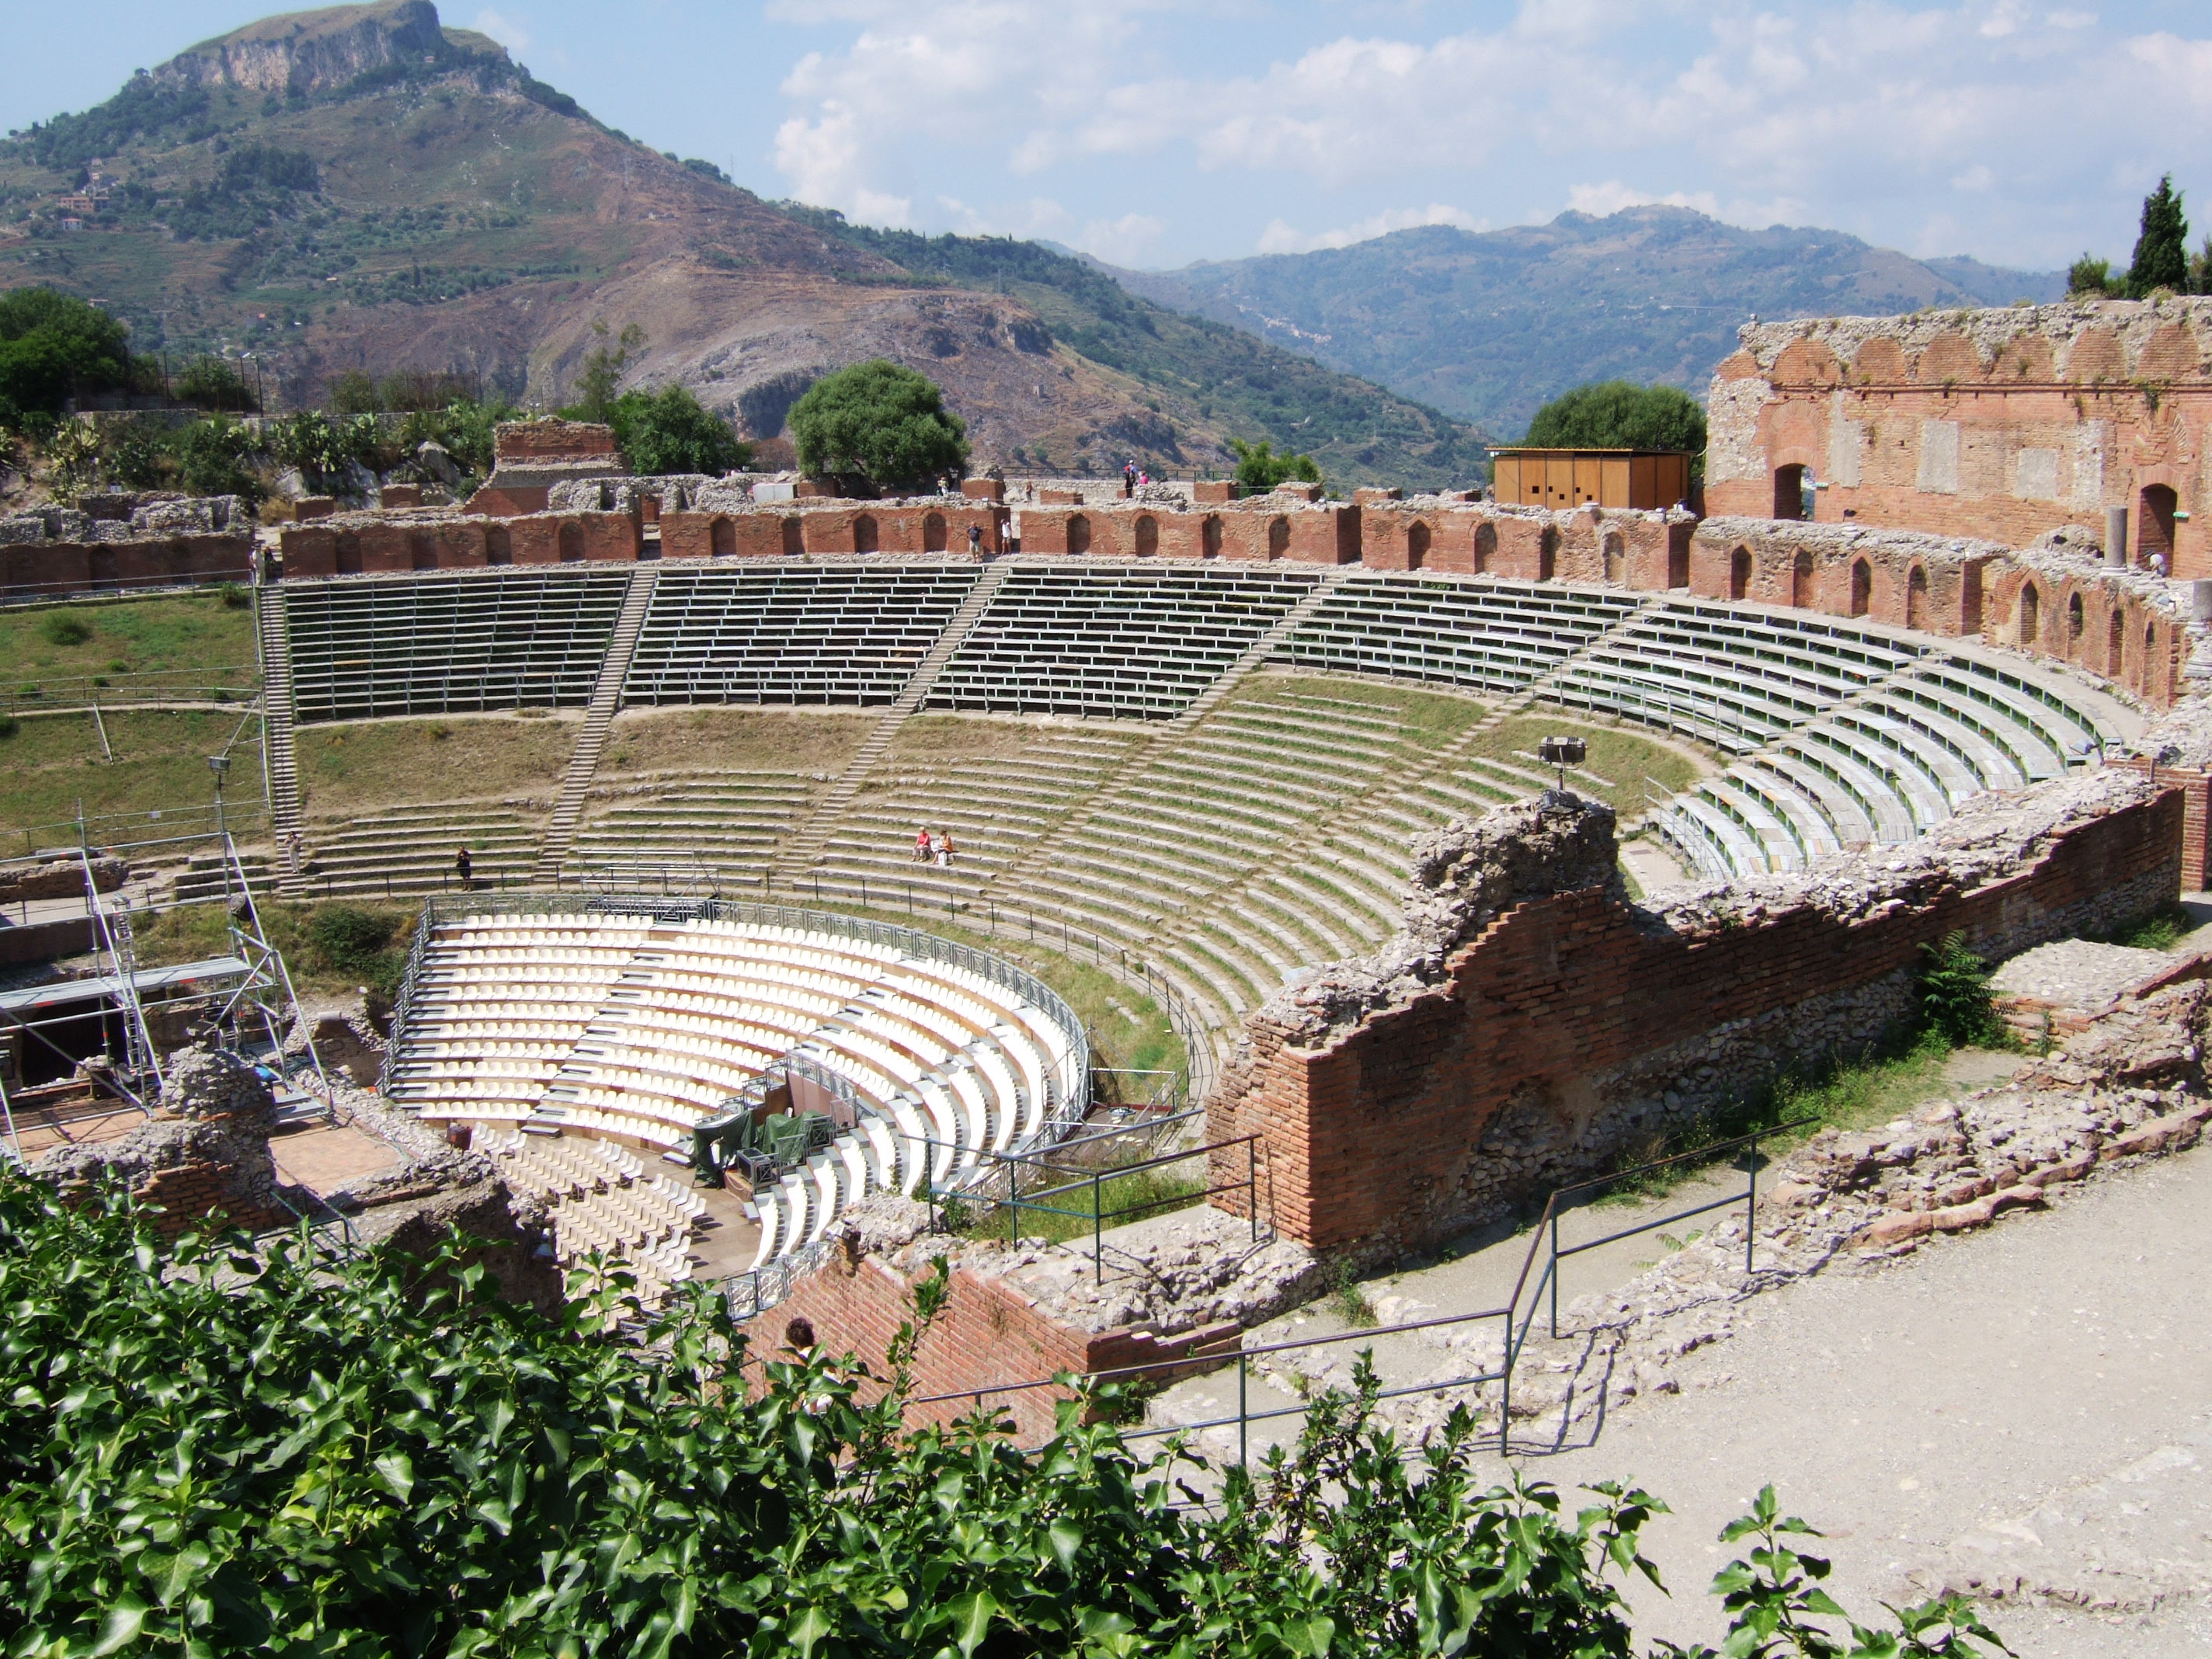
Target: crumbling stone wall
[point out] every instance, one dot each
(126, 540)
(1532, 1022)
(207, 1152)
(352, 545)
(2001, 424)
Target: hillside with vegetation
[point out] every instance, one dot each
(1487, 326)
(362, 190)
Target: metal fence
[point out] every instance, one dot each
(1534, 1289)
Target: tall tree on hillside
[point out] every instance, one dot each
(2162, 249)
(881, 422)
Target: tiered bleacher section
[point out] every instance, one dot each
(449, 644)
(603, 1202)
(631, 1024)
(404, 851)
(717, 830)
(791, 633)
(1140, 640)
(1484, 637)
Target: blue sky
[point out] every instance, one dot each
(1155, 133)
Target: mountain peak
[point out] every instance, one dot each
(308, 52)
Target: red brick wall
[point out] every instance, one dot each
(1571, 1017)
(59, 569)
(547, 441)
(988, 1332)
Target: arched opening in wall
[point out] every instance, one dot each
(1148, 536)
(1616, 558)
(1485, 548)
(933, 533)
(1790, 492)
(1279, 538)
(2075, 623)
(499, 546)
(864, 533)
(1416, 545)
(349, 555)
(722, 538)
(1739, 572)
(1915, 598)
(1970, 599)
(1548, 553)
(1079, 533)
(2155, 524)
(1209, 538)
(1861, 588)
(2031, 614)
(572, 543)
(794, 535)
(422, 552)
(1800, 580)
(2116, 645)
(2149, 683)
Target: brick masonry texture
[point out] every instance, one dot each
(1533, 1024)
(2002, 424)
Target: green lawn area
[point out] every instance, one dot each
(937, 738)
(53, 761)
(188, 636)
(734, 739)
(1430, 718)
(359, 766)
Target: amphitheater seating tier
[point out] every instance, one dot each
(1483, 637)
(1132, 642)
(638, 1027)
(449, 645)
(791, 633)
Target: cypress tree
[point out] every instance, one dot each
(2162, 250)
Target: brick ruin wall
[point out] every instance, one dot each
(1998, 424)
(1533, 1024)
(122, 540)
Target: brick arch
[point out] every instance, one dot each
(2028, 614)
(1485, 547)
(1209, 537)
(933, 532)
(1079, 533)
(1807, 362)
(1915, 596)
(794, 534)
(2170, 354)
(2096, 355)
(1148, 535)
(1740, 566)
(1278, 537)
(1548, 553)
(1861, 595)
(1613, 552)
(2076, 624)
(865, 538)
(570, 543)
(722, 535)
(1417, 544)
(1800, 580)
(1949, 358)
(1881, 361)
(2116, 644)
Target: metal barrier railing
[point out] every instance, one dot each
(1516, 1316)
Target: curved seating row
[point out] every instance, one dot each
(640, 1027)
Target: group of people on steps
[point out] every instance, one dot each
(933, 849)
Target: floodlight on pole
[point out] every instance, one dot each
(220, 764)
(1563, 752)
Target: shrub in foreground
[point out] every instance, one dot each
(205, 1449)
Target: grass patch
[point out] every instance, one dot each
(1348, 1302)
(1426, 718)
(1632, 765)
(737, 739)
(135, 637)
(927, 738)
(330, 950)
(358, 766)
(51, 762)
(2162, 930)
(1120, 1200)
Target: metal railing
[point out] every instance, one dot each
(1516, 1316)
(1067, 1080)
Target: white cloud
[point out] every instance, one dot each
(1282, 237)
(509, 33)
(1611, 196)
(1128, 240)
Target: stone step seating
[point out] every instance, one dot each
(440, 644)
(411, 848)
(1224, 812)
(792, 632)
(1889, 764)
(994, 809)
(600, 1199)
(1481, 633)
(639, 1028)
(720, 824)
(1735, 679)
(1129, 641)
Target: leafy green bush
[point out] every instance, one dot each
(63, 628)
(207, 1450)
(1954, 994)
(215, 457)
(357, 943)
(9, 726)
(880, 422)
(670, 431)
(323, 448)
(212, 383)
(1259, 469)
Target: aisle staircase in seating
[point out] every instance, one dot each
(282, 766)
(606, 699)
(805, 849)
